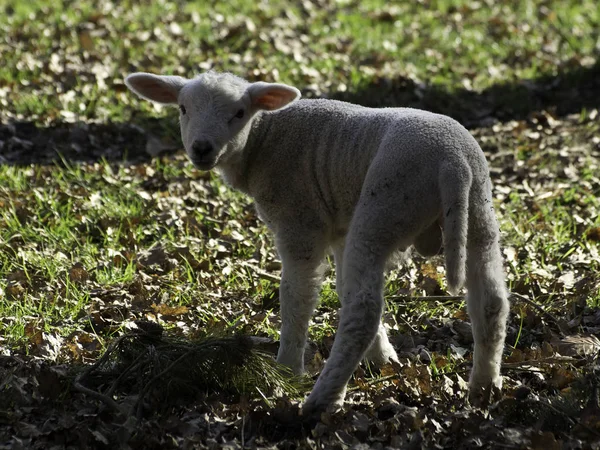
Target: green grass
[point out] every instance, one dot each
(75, 237)
(73, 68)
(91, 244)
(55, 217)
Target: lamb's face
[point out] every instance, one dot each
(215, 120)
(215, 109)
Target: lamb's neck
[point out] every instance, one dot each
(236, 170)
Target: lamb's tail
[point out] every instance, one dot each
(456, 185)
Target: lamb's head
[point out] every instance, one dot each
(216, 109)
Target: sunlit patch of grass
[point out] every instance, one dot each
(329, 297)
(450, 44)
(43, 235)
(106, 215)
(101, 218)
(441, 364)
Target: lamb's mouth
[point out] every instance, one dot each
(204, 163)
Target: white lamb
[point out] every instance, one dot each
(363, 183)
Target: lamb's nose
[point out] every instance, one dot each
(201, 148)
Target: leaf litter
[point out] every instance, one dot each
(135, 233)
(140, 362)
(183, 282)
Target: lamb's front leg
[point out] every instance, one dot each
(298, 296)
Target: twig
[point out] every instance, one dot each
(261, 273)
(138, 404)
(375, 381)
(537, 362)
(503, 445)
(556, 410)
(572, 420)
(104, 357)
(445, 298)
(134, 365)
(103, 398)
(452, 372)
(243, 426)
(531, 303)
(78, 380)
(408, 324)
(264, 397)
(427, 298)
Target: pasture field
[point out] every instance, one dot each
(104, 222)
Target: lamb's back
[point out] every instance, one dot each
(316, 153)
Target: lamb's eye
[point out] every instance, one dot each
(239, 114)
(182, 109)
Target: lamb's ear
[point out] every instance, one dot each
(272, 96)
(157, 88)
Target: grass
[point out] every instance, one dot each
(96, 234)
(105, 215)
(88, 246)
(449, 44)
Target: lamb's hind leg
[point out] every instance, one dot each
(381, 350)
(376, 230)
(487, 304)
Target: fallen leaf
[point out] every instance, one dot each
(169, 311)
(578, 345)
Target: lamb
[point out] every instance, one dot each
(359, 182)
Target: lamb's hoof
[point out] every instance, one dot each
(315, 406)
(379, 360)
(483, 395)
(382, 356)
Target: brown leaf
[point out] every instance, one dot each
(440, 361)
(33, 330)
(464, 330)
(123, 258)
(388, 370)
(78, 274)
(593, 234)
(431, 286)
(14, 290)
(169, 311)
(419, 376)
(85, 40)
(516, 356)
(578, 345)
(561, 377)
(545, 441)
(18, 276)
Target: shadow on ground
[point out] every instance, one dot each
(24, 143)
(565, 93)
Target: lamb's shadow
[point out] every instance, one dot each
(570, 91)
